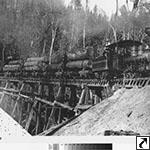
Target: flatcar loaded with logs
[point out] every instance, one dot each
(125, 58)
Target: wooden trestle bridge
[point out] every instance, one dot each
(36, 106)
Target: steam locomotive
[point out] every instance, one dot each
(124, 59)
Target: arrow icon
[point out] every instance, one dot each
(144, 140)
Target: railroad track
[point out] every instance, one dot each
(126, 83)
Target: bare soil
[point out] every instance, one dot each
(127, 109)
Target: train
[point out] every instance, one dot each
(122, 59)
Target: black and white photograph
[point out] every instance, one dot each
(75, 68)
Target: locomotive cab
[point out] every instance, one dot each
(106, 65)
(119, 52)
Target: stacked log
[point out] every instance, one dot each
(44, 59)
(14, 62)
(88, 54)
(14, 65)
(35, 64)
(11, 67)
(58, 56)
(75, 57)
(80, 64)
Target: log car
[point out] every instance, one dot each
(13, 68)
(35, 66)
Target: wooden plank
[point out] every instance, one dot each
(2, 97)
(45, 118)
(30, 116)
(87, 96)
(83, 107)
(6, 86)
(44, 101)
(27, 97)
(81, 100)
(28, 107)
(11, 90)
(16, 103)
(7, 93)
(22, 86)
(51, 117)
(73, 97)
(38, 119)
(59, 115)
(21, 109)
(37, 59)
(63, 105)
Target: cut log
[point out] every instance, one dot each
(32, 68)
(75, 57)
(32, 63)
(11, 67)
(88, 54)
(14, 62)
(45, 59)
(79, 64)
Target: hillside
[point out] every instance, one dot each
(9, 127)
(127, 109)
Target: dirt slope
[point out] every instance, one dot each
(125, 110)
(9, 127)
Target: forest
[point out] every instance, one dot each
(31, 28)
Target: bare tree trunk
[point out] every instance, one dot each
(127, 4)
(114, 31)
(3, 54)
(72, 30)
(84, 35)
(124, 35)
(52, 44)
(116, 7)
(84, 28)
(44, 48)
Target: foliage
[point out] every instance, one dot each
(40, 27)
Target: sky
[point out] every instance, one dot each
(109, 6)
